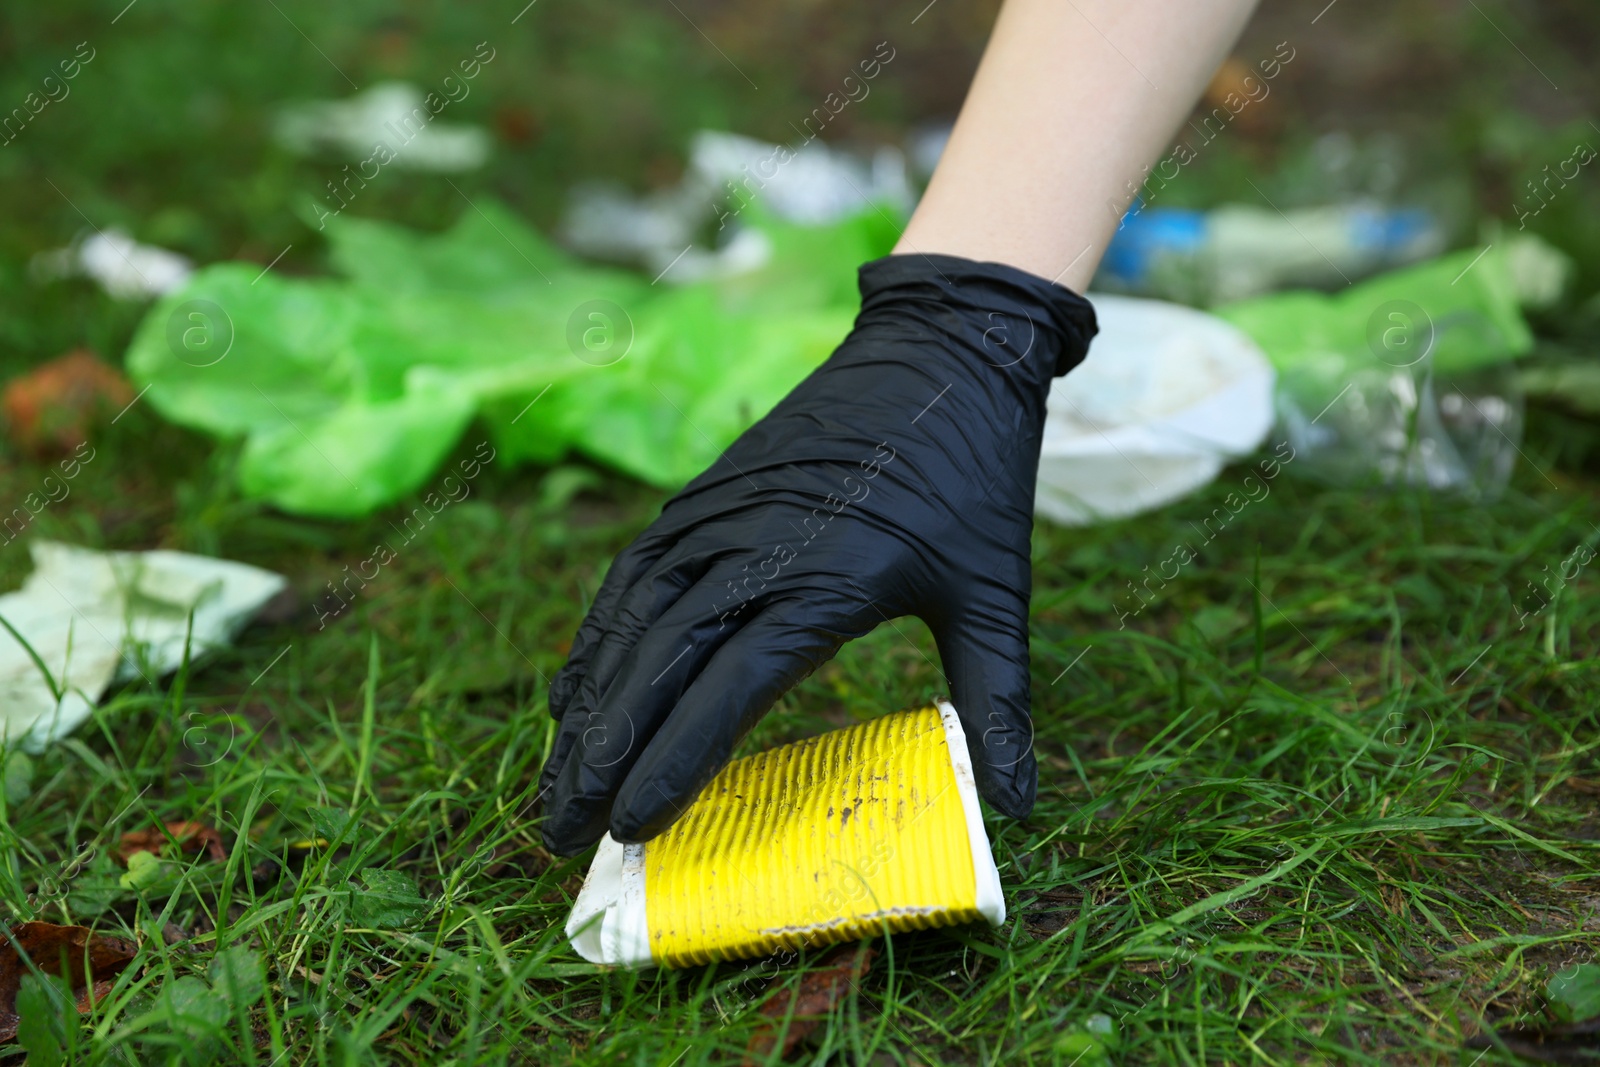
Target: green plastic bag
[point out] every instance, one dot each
(349, 392)
(1459, 311)
(1397, 379)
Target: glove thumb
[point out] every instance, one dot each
(985, 656)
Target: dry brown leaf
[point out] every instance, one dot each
(809, 1003)
(59, 950)
(50, 409)
(190, 836)
(1240, 93)
(518, 125)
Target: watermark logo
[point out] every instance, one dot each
(1001, 742)
(199, 332)
(596, 740)
(1401, 333)
(209, 738)
(599, 332)
(999, 342)
(1408, 737)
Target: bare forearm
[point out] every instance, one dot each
(1073, 99)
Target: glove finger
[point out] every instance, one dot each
(630, 565)
(985, 657)
(739, 685)
(640, 607)
(609, 739)
(636, 609)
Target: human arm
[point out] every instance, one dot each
(1071, 103)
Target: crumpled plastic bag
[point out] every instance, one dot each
(394, 114)
(348, 392)
(1166, 397)
(93, 617)
(126, 269)
(1396, 377)
(726, 174)
(1459, 311)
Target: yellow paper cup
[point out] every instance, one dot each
(870, 828)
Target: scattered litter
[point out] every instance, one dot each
(349, 393)
(426, 332)
(606, 221)
(86, 960)
(1166, 397)
(747, 250)
(1237, 250)
(50, 409)
(91, 618)
(728, 175)
(813, 185)
(1460, 311)
(1572, 384)
(393, 114)
(125, 268)
(1413, 428)
(1540, 272)
(1400, 376)
(871, 827)
(789, 1016)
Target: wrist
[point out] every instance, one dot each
(993, 315)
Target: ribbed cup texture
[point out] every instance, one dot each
(831, 839)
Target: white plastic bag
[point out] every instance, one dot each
(1166, 397)
(91, 617)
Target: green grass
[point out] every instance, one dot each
(1310, 826)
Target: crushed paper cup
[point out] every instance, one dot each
(870, 828)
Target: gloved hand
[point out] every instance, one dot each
(897, 479)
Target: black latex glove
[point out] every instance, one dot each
(897, 479)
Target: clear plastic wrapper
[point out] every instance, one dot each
(1407, 425)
